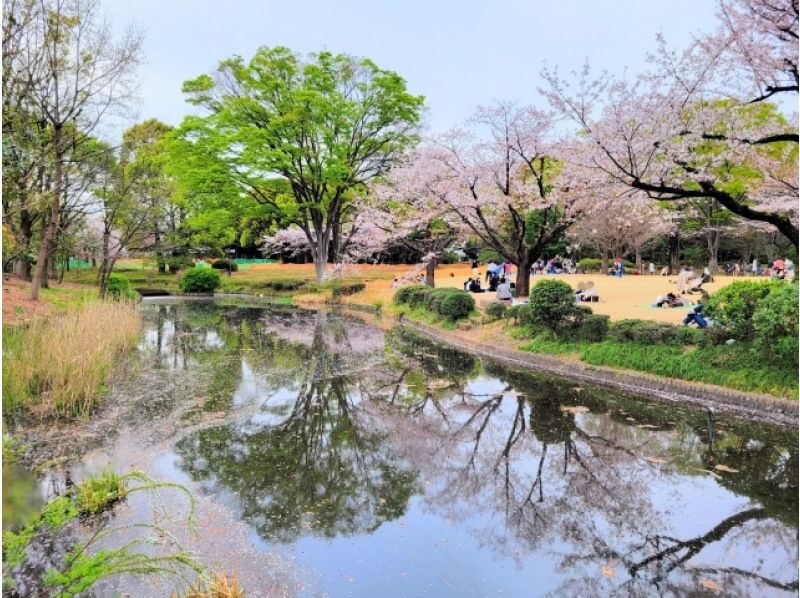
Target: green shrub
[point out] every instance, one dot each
(434, 297)
(643, 331)
(348, 289)
(119, 287)
(175, 263)
(516, 311)
(593, 328)
(775, 323)
(589, 264)
(280, 285)
(457, 305)
(552, 305)
(733, 306)
(689, 335)
(200, 280)
(225, 264)
(489, 255)
(449, 257)
(496, 310)
(412, 295)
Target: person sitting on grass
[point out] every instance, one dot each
(504, 291)
(467, 284)
(586, 292)
(475, 286)
(670, 300)
(696, 314)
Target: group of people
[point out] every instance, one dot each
(494, 270)
(555, 265)
(506, 291)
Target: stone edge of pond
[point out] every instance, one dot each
(744, 404)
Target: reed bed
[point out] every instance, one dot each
(58, 367)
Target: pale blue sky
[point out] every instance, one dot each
(457, 53)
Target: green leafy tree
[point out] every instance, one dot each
(298, 136)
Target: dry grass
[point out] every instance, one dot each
(219, 586)
(626, 297)
(57, 367)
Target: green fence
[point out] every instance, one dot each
(75, 264)
(246, 263)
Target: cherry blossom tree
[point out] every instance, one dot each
(621, 225)
(406, 212)
(696, 125)
(503, 187)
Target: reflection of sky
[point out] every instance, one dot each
(457, 538)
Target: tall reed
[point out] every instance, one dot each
(57, 367)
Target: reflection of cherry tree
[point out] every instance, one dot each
(547, 478)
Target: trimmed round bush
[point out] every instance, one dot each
(412, 295)
(200, 280)
(225, 264)
(593, 328)
(552, 304)
(734, 306)
(457, 305)
(119, 287)
(775, 323)
(496, 310)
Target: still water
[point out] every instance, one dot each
(332, 458)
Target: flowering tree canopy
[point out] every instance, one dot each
(697, 124)
(502, 188)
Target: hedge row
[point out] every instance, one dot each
(450, 303)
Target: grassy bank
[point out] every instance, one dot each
(58, 366)
(730, 366)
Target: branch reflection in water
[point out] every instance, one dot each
(332, 430)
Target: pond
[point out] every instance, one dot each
(332, 458)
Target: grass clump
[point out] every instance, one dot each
(56, 367)
(218, 586)
(99, 493)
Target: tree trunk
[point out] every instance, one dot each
(524, 275)
(22, 268)
(22, 265)
(639, 260)
(430, 272)
(604, 262)
(162, 266)
(320, 255)
(40, 275)
(712, 237)
(675, 253)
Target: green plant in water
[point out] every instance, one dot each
(99, 493)
(82, 569)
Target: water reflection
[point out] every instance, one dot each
(333, 427)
